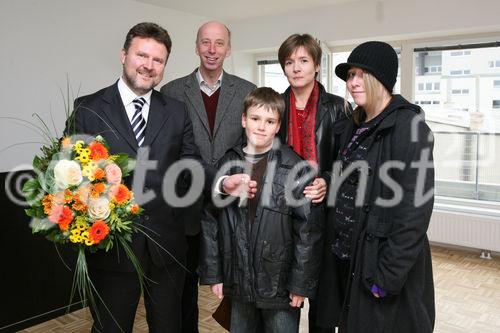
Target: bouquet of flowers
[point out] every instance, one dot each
(77, 198)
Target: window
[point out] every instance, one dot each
(459, 53)
(431, 69)
(460, 91)
(271, 75)
(494, 63)
(460, 72)
(464, 114)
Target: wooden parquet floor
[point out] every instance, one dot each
(467, 299)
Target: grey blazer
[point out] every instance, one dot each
(227, 127)
(227, 133)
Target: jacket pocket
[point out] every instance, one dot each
(375, 237)
(270, 267)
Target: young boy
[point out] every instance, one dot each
(264, 253)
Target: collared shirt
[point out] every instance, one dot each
(204, 85)
(128, 97)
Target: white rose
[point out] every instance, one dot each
(67, 173)
(98, 209)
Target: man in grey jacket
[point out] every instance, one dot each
(214, 101)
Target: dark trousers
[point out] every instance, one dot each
(311, 315)
(120, 292)
(190, 292)
(246, 318)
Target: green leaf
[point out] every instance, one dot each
(30, 186)
(122, 160)
(37, 163)
(30, 212)
(39, 225)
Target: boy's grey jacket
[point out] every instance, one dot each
(279, 253)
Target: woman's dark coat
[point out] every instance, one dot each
(330, 109)
(391, 248)
(279, 253)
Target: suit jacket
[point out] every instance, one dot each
(227, 132)
(169, 136)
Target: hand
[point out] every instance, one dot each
(317, 191)
(217, 290)
(296, 300)
(377, 292)
(240, 185)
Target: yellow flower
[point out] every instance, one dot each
(88, 170)
(74, 238)
(86, 238)
(79, 226)
(83, 155)
(78, 144)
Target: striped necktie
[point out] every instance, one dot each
(138, 122)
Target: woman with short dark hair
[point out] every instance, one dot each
(309, 119)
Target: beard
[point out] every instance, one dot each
(133, 80)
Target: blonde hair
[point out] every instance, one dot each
(373, 89)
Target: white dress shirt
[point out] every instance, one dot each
(128, 97)
(204, 85)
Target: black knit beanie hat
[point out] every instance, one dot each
(377, 58)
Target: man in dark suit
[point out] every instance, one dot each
(131, 115)
(214, 101)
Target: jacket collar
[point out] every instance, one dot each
(227, 92)
(321, 110)
(114, 111)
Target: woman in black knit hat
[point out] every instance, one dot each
(377, 272)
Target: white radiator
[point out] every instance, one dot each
(465, 229)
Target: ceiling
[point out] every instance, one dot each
(241, 9)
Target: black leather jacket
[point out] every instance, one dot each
(278, 254)
(331, 108)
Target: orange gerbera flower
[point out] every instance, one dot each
(97, 189)
(120, 194)
(99, 173)
(98, 231)
(98, 151)
(62, 216)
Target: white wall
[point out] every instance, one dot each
(361, 20)
(42, 42)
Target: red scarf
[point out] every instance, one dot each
(301, 127)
